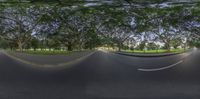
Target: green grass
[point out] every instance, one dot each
(155, 51)
(46, 52)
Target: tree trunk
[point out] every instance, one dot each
(91, 48)
(168, 47)
(157, 49)
(185, 46)
(20, 46)
(34, 49)
(119, 46)
(69, 47)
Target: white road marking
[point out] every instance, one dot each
(166, 67)
(158, 69)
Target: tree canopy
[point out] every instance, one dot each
(86, 24)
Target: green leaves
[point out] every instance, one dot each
(91, 22)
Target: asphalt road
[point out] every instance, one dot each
(104, 76)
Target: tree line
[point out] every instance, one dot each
(91, 25)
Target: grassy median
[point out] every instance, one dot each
(45, 52)
(55, 52)
(160, 51)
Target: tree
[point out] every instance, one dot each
(19, 24)
(142, 45)
(79, 25)
(151, 46)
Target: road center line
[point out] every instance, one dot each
(158, 69)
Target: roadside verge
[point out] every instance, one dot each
(34, 63)
(148, 55)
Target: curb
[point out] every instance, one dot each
(48, 66)
(148, 55)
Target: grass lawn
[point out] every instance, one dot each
(47, 52)
(155, 51)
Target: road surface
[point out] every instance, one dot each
(104, 76)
